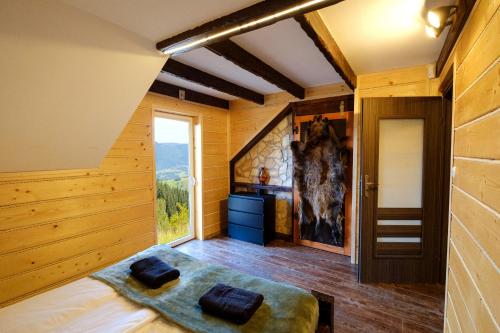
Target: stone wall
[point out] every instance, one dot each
(272, 152)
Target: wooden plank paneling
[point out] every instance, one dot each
(479, 139)
(460, 16)
(215, 126)
(124, 148)
(463, 316)
(451, 317)
(59, 225)
(36, 235)
(212, 231)
(214, 148)
(212, 219)
(393, 77)
(24, 192)
(211, 207)
(482, 270)
(219, 160)
(18, 262)
(217, 172)
(474, 252)
(39, 280)
(476, 306)
(482, 98)
(483, 13)
(127, 164)
(141, 116)
(55, 174)
(215, 195)
(484, 52)
(213, 137)
(401, 90)
(45, 211)
(134, 131)
(483, 224)
(215, 183)
(480, 179)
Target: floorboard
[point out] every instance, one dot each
(358, 307)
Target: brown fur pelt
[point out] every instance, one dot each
(319, 173)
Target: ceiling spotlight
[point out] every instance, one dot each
(431, 31)
(438, 18)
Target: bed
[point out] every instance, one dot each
(111, 301)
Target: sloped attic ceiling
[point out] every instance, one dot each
(70, 82)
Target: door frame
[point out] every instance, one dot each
(439, 175)
(192, 181)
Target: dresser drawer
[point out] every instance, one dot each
(246, 234)
(246, 219)
(249, 205)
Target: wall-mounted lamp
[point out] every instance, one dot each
(438, 18)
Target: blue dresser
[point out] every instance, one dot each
(251, 217)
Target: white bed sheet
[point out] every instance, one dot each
(86, 305)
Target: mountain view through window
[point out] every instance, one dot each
(172, 178)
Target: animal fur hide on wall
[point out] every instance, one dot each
(319, 173)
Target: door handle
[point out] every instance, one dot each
(191, 181)
(369, 186)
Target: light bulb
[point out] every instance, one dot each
(434, 19)
(431, 31)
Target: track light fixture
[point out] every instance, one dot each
(438, 18)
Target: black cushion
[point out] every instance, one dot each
(234, 304)
(153, 272)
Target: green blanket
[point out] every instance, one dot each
(285, 309)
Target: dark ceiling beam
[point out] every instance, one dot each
(239, 22)
(171, 90)
(463, 12)
(315, 28)
(244, 59)
(208, 80)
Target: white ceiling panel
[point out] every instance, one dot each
(168, 78)
(214, 64)
(286, 47)
(377, 35)
(160, 19)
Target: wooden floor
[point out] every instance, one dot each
(358, 307)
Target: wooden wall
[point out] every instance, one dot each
(57, 226)
(403, 82)
(473, 280)
(246, 119)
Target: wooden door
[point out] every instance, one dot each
(401, 189)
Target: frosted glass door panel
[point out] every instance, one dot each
(400, 165)
(399, 222)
